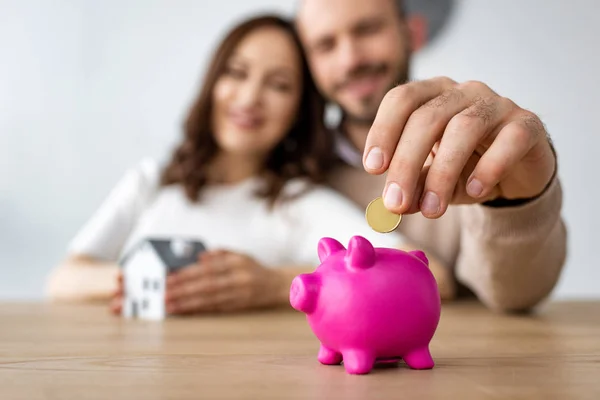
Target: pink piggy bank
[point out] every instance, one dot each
(368, 305)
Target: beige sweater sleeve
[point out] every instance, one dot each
(512, 257)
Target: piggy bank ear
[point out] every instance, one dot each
(328, 246)
(420, 255)
(361, 253)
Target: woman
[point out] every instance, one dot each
(244, 181)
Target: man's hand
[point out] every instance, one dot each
(222, 281)
(446, 143)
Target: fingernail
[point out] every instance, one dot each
(393, 196)
(374, 159)
(430, 204)
(474, 188)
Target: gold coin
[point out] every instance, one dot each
(380, 218)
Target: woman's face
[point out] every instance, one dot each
(256, 98)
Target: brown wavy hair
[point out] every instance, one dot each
(306, 151)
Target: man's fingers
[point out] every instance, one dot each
(509, 147)
(463, 133)
(394, 111)
(415, 206)
(424, 128)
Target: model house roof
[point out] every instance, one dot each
(174, 253)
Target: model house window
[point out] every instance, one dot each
(156, 285)
(146, 284)
(145, 304)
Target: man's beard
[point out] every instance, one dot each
(371, 103)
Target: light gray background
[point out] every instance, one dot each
(89, 87)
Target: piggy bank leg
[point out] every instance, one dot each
(358, 361)
(329, 357)
(419, 359)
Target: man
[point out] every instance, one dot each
(474, 172)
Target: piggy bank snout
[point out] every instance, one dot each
(304, 292)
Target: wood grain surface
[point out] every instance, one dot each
(82, 352)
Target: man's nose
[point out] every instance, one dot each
(349, 55)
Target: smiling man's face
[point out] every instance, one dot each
(357, 51)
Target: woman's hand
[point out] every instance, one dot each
(224, 281)
(116, 302)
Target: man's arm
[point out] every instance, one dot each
(511, 257)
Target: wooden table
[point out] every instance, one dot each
(82, 352)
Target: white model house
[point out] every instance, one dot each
(145, 268)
